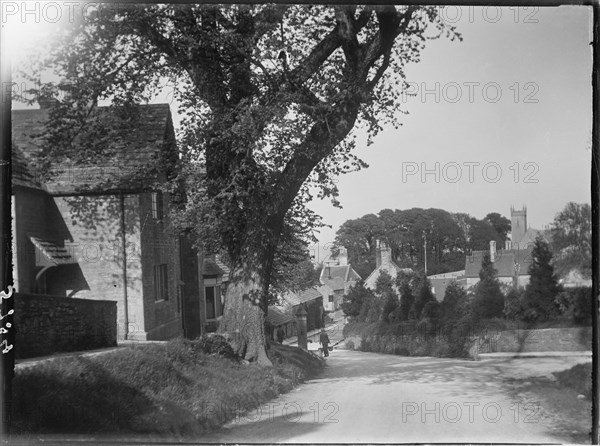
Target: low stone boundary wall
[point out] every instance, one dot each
(514, 341)
(51, 324)
(544, 340)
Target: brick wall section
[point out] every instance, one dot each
(50, 324)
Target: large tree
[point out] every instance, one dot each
(269, 97)
(571, 239)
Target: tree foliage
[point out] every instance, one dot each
(571, 240)
(539, 300)
(488, 300)
(449, 238)
(268, 95)
(355, 298)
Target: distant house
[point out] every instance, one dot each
(329, 302)
(575, 279)
(439, 282)
(512, 265)
(102, 231)
(311, 300)
(383, 262)
(338, 276)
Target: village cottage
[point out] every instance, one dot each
(102, 231)
(336, 278)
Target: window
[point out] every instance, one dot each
(157, 205)
(214, 306)
(161, 282)
(331, 298)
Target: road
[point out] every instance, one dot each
(370, 397)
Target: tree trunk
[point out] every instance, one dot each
(243, 320)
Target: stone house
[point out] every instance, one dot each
(512, 265)
(102, 231)
(512, 262)
(338, 276)
(383, 262)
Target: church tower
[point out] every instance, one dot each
(518, 225)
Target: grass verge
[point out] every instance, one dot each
(172, 388)
(558, 401)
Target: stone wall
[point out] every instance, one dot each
(51, 324)
(545, 340)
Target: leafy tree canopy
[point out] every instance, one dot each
(571, 239)
(269, 96)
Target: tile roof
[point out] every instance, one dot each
(226, 270)
(504, 263)
(136, 150)
(277, 316)
(389, 267)
(298, 297)
(211, 268)
(336, 277)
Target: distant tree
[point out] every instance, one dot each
(571, 240)
(488, 300)
(513, 306)
(384, 283)
(452, 307)
(481, 233)
(425, 295)
(431, 310)
(359, 237)
(384, 287)
(296, 276)
(407, 297)
(412, 314)
(354, 300)
(539, 300)
(501, 224)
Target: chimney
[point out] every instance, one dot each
(383, 254)
(343, 257)
(492, 251)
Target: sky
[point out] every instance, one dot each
(527, 123)
(501, 118)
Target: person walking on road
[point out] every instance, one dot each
(324, 341)
(280, 334)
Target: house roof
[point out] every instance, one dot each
(325, 290)
(277, 316)
(211, 268)
(450, 275)
(336, 277)
(138, 149)
(504, 263)
(226, 270)
(390, 267)
(298, 297)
